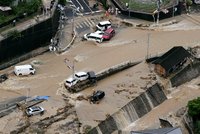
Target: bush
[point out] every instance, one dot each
(194, 108)
(62, 2)
(18, 11)
(6, 2)
(26, 7)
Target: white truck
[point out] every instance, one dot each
(24, 70)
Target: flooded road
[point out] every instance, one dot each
(128, 44)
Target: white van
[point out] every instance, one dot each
(93, 37)
(103, 25)
(24, 70)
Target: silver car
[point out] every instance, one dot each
(34, 110)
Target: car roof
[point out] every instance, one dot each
(98, 32)
(109, 30)
(81, 73)
(23, 66)
(104, 22)
(95, 35)
(35, 107)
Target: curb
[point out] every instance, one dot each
(69, 45)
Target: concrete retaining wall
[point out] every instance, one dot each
(145, 15)
(190, 72)
(32, 38)
(101, 75)
(132, 111)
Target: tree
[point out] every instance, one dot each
(188, 2)
(194, 108)
(6, 2)
(62, 2)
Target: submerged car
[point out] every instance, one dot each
(97, 96)
(108, 34)
(34, 110)
(3, 77)
(93, 37)
(70, 82)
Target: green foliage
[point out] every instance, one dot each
(26, 7)
(6, 2)
(62, 2)
(4, 18)
(22, 7)
(105, 4)
(194, 107)
(197, 127)
(189, 2)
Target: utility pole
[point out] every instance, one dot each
(70, 65)
(148, 37)
(158, 9)
(27, 94)
(73, 68)
(129, 8)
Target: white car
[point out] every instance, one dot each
(70, 81)
(34, 110)
(93, 37)
(103, 25)
(81, 76)
(24, 70)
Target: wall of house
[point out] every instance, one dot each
(132, 111)
(188, 73)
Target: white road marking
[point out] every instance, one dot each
(93, 24)
(88, 22)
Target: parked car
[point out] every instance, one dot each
(24, 70)
(93, 37)
(70, 82)
(108, 34)
(103, 25)
(34, 110)
(97, 96)
(81, 76)
(3, 77)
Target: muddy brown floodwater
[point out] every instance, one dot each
(127, 44)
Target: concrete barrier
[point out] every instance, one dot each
(101, 75)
